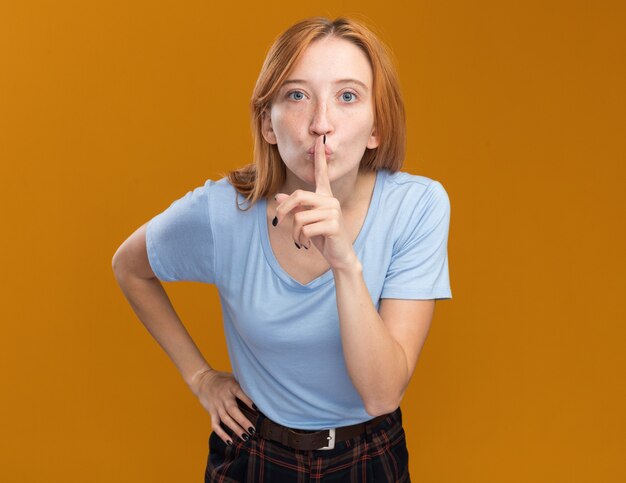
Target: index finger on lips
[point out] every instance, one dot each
(322, 183)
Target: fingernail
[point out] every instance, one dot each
(254, 406)
(275, 197)
(324, 138)
(297, 245)
(229, 442)
(275, 221)
(245, 436)
(251, 430)
(305, 247)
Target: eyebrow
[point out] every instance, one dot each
(340, 81)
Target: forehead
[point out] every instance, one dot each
(332, 58)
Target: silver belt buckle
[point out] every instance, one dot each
(331, 440)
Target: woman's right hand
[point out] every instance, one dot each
(216, 391)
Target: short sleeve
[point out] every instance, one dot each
(180, 242)
(419, 262)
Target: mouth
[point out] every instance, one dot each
(327, 150)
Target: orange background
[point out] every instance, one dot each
(111, 110)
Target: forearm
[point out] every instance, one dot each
(150, 302)
(375, 361)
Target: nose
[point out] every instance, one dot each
(321, 123)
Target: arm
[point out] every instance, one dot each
(150, 302)
(380, 349)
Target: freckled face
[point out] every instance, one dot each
(322, 101)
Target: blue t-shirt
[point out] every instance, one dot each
(283, 337)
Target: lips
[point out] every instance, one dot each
(327, 150)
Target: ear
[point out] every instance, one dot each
(266, 127)
(374, 140)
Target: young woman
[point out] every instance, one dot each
(328, 260)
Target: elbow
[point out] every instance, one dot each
(378, 408)
(114, 265)
(116, 257)
(115, 262)
(119, 264)
(385, 403)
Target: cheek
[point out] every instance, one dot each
(281, 119)
(358, 119)
(285, 123)
(359, 129)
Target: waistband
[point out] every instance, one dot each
(324, 439)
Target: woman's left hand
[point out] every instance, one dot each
(317, 216)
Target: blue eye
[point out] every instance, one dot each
(295, 92)
(349, 93)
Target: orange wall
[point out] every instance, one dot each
(111, 110)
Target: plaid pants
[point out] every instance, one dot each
(379, 456)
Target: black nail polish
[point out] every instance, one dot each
(297, 245)
(275, 221)
(324, 138)
(245, 436)
(251, 430)
(254, 406)
(305, 247)
(229, 442)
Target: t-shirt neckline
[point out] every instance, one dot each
(327, 276)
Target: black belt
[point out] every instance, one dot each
(324, 439)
